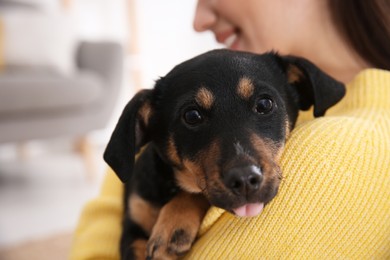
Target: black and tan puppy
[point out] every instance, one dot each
(213, 131)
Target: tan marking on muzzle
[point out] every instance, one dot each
(245, 88)
(172, 152)
(278, 148)
(267, 150)
(192, 177)
(269, 153)
(204, 98)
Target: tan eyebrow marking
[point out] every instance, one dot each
(204, 98)
(245, 88)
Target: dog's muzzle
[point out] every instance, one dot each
(245, 183)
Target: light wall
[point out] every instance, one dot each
(165, 34)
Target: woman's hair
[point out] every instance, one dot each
(366, 26)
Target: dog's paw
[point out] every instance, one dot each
(170, 244)
(176, 226)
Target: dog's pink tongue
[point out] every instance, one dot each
(249, 210)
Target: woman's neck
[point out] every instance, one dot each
(327, 48)
(335, 57)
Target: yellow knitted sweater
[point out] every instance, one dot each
(333, 203)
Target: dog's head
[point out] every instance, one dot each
(221, 120)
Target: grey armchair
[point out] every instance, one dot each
(36, 104)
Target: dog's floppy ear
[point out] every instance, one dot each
(130, 134)
(314, 87)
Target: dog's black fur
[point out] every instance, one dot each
(213, 131)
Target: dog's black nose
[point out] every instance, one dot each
(243, 180)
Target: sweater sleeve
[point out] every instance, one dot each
(333, 203)
(98, 232)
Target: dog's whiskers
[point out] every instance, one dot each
(279, 175)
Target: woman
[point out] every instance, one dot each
(334, 201)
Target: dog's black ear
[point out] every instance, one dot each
(130, 134)
(314, 86)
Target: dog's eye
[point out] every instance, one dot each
(264, 106)
(193, 117)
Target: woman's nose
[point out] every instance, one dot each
(205, 17)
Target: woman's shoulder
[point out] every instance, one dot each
(360, 121)
(346, 140)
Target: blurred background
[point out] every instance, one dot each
(67, 68)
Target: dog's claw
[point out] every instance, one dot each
(152, 246)
(180, 242)
(170, 245)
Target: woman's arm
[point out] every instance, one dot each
(99, 229)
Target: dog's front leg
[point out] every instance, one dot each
(177, 226)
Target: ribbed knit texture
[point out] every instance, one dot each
(333, 203)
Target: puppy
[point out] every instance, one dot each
(213, 130)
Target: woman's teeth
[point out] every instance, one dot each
(230, 40)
